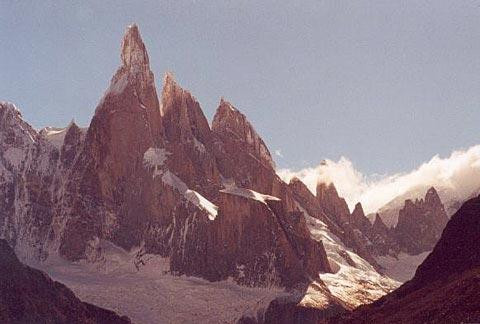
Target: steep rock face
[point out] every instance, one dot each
(359, 220)
(189, 139)
(332, 203)
(254, 240)
(446, 286)
(420, 223)
(241, 154)
(30, 296)
(324, 207)
(383, 239)
(109, 195)
(28, 163)
(71, 146)
(229, 122)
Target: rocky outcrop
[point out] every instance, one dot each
(332, 203)
(421, 223)
(326, 207)
(30, 296)
(28, 165)
(291, 309)
(383, 239)
(359, 220)
(189, 139)
(446, 286)
(228, 122)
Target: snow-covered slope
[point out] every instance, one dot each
(403, 267)
(140, 286)
(354, 280)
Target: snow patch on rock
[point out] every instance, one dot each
(248, 193)
(190, 195)
(355, 281)
(55, 135)
(155, 158)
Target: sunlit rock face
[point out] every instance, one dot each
(151, 173)
(110, 190)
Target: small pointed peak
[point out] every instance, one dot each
(8, 106)
(72, 123)
(169, 78)
(72, 126)
(324, 188)
(378, 223)
(358, 209)
(134, 52)
(225, 105)
(295, 180)
(432, 196)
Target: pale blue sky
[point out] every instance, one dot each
(387, 84)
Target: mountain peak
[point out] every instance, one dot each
(432, 196)
(134, 52)
(358, 209)
(230, 122)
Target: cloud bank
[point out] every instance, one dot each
(460, 172)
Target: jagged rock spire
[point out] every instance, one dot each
(181, 113)
(432, 197)
(230, 121)
(134, 53)
(331, 202)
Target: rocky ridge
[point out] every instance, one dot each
(151, 174)
(452, 269)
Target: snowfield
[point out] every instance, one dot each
(151, 295)
(139, 285)
(403, 268)
(355, 281)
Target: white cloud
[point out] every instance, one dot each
(459, 172)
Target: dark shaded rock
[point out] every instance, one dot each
(420, 223)
(29, 296)
(446, 286)
(290, 310)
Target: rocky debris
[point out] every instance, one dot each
(421, 223)
(30, 296)
(446, 286)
